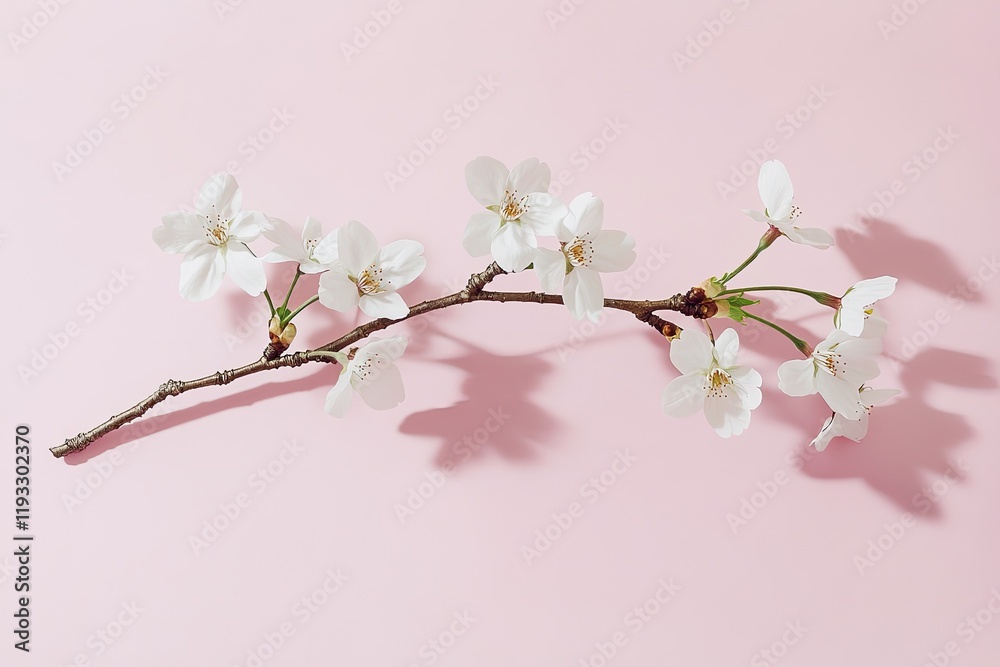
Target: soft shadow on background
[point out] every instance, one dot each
(154, 423)
(911, 441)
(500, 412)
(877, 247)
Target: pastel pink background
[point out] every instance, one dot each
(570, 412)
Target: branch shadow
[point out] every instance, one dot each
(156, 423)
(499, 413)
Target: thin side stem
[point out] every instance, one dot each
(708, 330)
(311, 300)
(802, 346)
(765, 242)
(291, 288)
(269, 303)
(774, 288)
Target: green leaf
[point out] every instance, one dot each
(736, 306)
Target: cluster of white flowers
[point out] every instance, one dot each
(355, 272)
(519, 209)
(838, 368)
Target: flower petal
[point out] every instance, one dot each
(850, 320)
(201, 272)
(391, 348)
(325, 251)
(757, 215)
(400, 262)
(479, 233)
(727, 347)
(544, 213)
(748, 383)
(871, 397)
(816, 238)
(852, 313)
(840, 395)
(385, 390)
(486, 177)
(338, 399)
(247, 226)
(692, 352)
(387, 304)
(868, 291)
(613, 251)
(357, 247)
(586, 215)
(313, 229)
(684, 396)
(337, 291)
(529, 176)
(310, 267)
(826, 434)
(584, 293)
(797, 377)
(775, 190)
(220, 197)
(180, 232)
(855, 430)
(726, 414)
(859, 361)
(288, 244)
(875, 327)
(550, 265)
(246, 270)
(513, 247)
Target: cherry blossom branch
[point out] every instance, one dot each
(356, 272)
(175, 388)
(693, 303)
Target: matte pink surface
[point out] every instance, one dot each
(879, 553)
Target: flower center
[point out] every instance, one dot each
(579, 251)
(718, 383)
(365, 369)
(310, 246)
(795, 212)
(370, 281)
(512, 207)
(216, 228)
(830, 361)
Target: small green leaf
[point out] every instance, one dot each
(736, 306)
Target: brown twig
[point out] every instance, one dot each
(693, 304)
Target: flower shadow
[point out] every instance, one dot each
(499, 413)
(911, 442)
(885, 248)
(154, 423)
